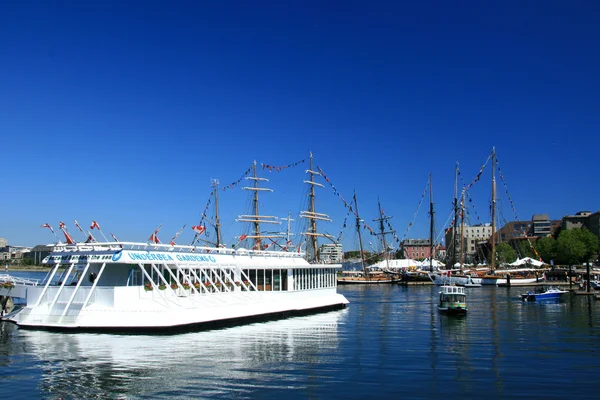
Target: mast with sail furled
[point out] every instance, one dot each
(312, 235)
(256, 219)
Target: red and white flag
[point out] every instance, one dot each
(47, 226)
(95, 225)
(243, 237)
(153, 237)
(61, 225)
(199, 229)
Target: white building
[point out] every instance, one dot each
(331, 253)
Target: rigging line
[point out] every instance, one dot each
(346, 204)
(417, 212)
(514, 208)
(203, 216)
(343, 226)
(478, 177)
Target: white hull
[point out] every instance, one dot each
(441, 279)
(513, 281)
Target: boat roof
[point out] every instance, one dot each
(144, 253)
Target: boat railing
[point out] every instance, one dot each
(116, 246)
(4, 278)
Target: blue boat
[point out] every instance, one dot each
(544, 294)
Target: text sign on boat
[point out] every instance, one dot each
(137, 256)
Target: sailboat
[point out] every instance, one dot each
(366, 276)
(497, 277)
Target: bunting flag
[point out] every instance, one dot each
(172, 242)
(199, 229)
(95, 225)
(280, 168)
(232, 185)
(478, 177)
(203, 217)
(154, 237)
(47, 226)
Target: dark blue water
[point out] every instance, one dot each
(389, 343)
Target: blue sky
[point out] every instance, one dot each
(123, 112)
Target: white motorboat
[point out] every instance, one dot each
(139, 286)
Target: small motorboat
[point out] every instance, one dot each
(453, 300)
(544, 294)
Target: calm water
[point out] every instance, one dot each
(389, 343)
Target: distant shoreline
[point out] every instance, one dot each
(24, 268)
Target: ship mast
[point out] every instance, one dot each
(455, 225)
(462, 229)
(382, 232)
(217, 221)
(431, 223)
(312, 249)
(493, 265)
(362, 253)
(256, 219)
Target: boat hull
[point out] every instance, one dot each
(551, 295)
(147, 314)
(441, 279)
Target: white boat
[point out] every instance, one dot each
(448, 277)
(125, 286)
(453, 300)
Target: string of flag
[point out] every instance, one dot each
(346, 204)
(232, 185)
(202, 218)
(272, 168)
(478, 177)
(416, 212)
(512, 205)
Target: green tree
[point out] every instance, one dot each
(525, 249)
(546, 247)
(576, 246)
(505, 253)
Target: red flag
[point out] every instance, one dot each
(95, 225)
(199, 229)
(243, 237)
(47, 226)
(61, 225)
(90, 239)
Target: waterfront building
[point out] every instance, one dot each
(331, 253)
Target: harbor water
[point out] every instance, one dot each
(390, 342)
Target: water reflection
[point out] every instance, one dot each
(231, 361)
